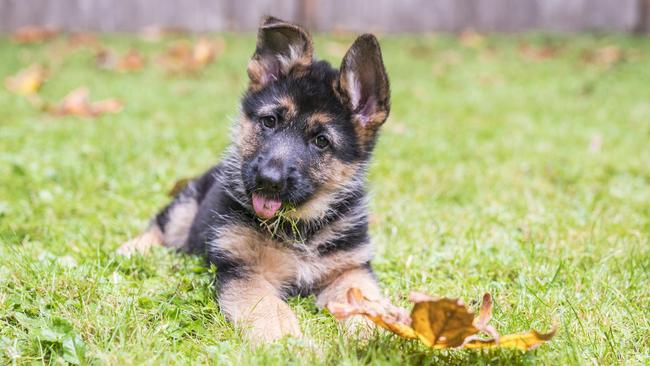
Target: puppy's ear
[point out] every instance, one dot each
(363, 85)
(281, 46)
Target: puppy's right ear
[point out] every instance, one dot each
(363, 86)
(281, 46)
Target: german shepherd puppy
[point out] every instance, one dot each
(285, 212)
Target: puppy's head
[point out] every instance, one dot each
(307, 129)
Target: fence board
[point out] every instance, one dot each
(352, 15)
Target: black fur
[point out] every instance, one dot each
(223, 193)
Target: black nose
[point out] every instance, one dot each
(270, 178)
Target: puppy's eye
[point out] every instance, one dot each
(268, 121)
(321, 142)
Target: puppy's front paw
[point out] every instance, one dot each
(141, 244)
(272, 327)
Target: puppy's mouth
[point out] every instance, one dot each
(265, 207)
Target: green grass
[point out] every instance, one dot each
(483, 180)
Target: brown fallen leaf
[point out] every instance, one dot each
(131, 61)
(77, 103)
(445, 322)
(156, 33)
(471, 39)
(522, 341)
(183, 57)
(537, 53)
(83, 39)
(604, 57)
(33, 34)
(27, 81)
(204, 52)
(438, 322)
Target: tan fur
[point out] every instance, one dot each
(316, 207)
(180, 220)
(253, 305)
(294, 63)
(256, 73)
(246, 137)
(337, 289)
(339, 172)
(142, 243)
(253, 302)
(368, 129)
(319, 118)
(251, 247)
(280, 264)
(290, 108)
(338, 176)
(285, 102)
(175, 235)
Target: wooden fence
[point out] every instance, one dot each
(325, 15)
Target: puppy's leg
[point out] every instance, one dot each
(171, 226)
(143, 242)
(336, 291)
(253, 305)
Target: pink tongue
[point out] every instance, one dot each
(265, 207)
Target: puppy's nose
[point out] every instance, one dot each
(269, 178)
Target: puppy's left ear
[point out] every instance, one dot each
(363, 85)
(281, 46)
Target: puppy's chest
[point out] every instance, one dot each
(286, 264)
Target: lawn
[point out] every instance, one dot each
(516, 165)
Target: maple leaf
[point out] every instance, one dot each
(27, 81)
(441, 322)
(77, 103)
(438, 322)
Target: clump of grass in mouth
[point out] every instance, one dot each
(283, 215)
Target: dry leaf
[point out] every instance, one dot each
(537, 53)
(443, 322)
(438, 322)
(83, 39)
(33, 34)
(604, 57)
(27, 81)
(183, 57)
(523, 341)
(471, 39)
(156, 33)
(203, 52)
(131, 61)
(77, 103)
(384, 314)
